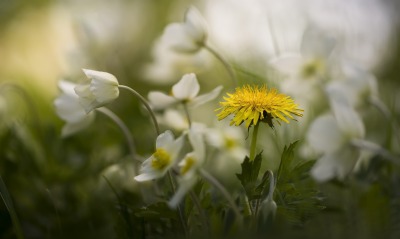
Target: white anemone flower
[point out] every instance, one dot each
(185, 91)
(188, 36)
(70, 110)
(332, 136)
(167, 152)
(307, 70)
(356, 86)
(101, 89)
(190, 164)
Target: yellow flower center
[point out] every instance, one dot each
(312, 68)
(229, 143)
(251, 104)
(189, 162)
(161, 159)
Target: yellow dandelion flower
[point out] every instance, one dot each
(252, 104)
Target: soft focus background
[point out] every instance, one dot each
(56, 183)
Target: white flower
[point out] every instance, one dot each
(70, 110)
(305, 72)
(189, 36)
(102, 88)
(167, 152)
(174, 119)
(185, 91)
(331, 136)
(189, 164)
(355, 85)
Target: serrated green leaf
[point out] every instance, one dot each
(249, 174)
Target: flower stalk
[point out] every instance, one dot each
(144, 101)
(227, 66)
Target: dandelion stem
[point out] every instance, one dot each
(253, 142)
(123, 127)
(224, 192)
(146, 104)
(227, 66)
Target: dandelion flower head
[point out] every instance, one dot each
(252, 104)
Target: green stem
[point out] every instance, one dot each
(123, 128)
(227, 66)
(202, 213)
(375, 101)
(180, 212)
(185, 108)
(375, 148)
(146, 104)
(224, 192)
(253, 142)
(5, 195)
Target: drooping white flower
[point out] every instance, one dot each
(189, 164)
(185, 91)
(188, 36)
(331, 136)
(99, 90)
(70, 110)
(167, 152)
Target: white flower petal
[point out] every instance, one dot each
(159, 100)
(69, 109)
(176, 37)
(103, 77)
(196, 25)
(316, 44)
(164, 139)
(187, 88)
(67, 87)
(72, 128)
(335, 165)
(324, 134)
(348, 120)
(184, 186)
(289, 64)
(204, 98)
(104, 93)
(146, 177)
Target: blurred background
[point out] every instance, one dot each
(56, 183)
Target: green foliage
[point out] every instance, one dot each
(249, 175)
(297, 195)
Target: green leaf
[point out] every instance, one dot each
(5, 195)
(249, 174)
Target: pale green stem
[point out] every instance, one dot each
(146, 104)
(224, 192)
(227, 66)
(385, 111)
(180, 212)
(123, 127)
(375, 148)
(254, 142)
(185, 108)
